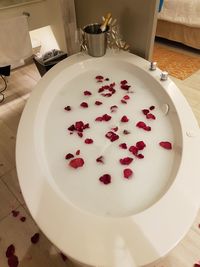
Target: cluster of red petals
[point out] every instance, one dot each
(126, 161)
(79, 126)
(147, 113)
(76, 163)
(124, 119)
(124, 85)
(84, 105)
(104, 117)
(143, 126)
(67, 108)
(105, 179)
(140, 145)
(98, 103)
(12, 258)
(112, 136)
(123, 145)
(107, 90)
(87, 93)
(166, 145)
(128, 173)
(100, 159)
(88, 141)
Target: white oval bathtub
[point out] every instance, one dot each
(130, 222)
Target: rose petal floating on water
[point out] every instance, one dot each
(88, 141)
(133, 150)
(13, 261)
(84, 105)
(145, 111)
(128, 173)
(23, 219)
(78, 152)
(152, 107)
(98, 103)
(15, 213)
(68, 108)
(126, 132)
(112, 136)
(126, 97)
(69, 156)
(87, 93)
(126, 161)
(166, 145)
(100, 159)
(105, 179)
(76, 163)
(124, 119)
(123, 145)
(150, 116)
(140, 145)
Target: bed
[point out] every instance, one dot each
(179, 20)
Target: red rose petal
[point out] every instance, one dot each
(152, 107)
(78, 152)
(105, 179)
(126, 132)
(99, 77)
(69, 156)
(13, 261)
(143, 126)
(112, 84)
(79, 126)
(125, 86)
(126, 97)
(140, 145)
(76, 163)
(123, 146)
(150, 116)
(166, 145)
(124, 119)
(23, 219)
(112, 136)
(35, 238)
(68, 108)
(123, 101)
(100, 159)
(133, 150)
(98, 103)
(107, 79)
(113, 108)
(15, 213)
(80, 134)
(128, 173)
(197, 264)
(71, 128)
(88, 141)
(87, 93)
(145, 111)
(106, 117)
(124, 82)
(126, 161)
(84, 105)
(86, 126)
(107, 95)
(10, 251)
(99, 119)
(140, 156)
(64, 258)
(115, 129)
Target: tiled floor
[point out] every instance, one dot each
(13, 230)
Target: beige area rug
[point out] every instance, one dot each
(176, 64)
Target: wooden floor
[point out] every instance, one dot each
(13, 230)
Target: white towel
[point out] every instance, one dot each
(15, 43)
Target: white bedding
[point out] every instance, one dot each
(185, 12)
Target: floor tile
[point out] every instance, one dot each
(8, 201)
(11, 181)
